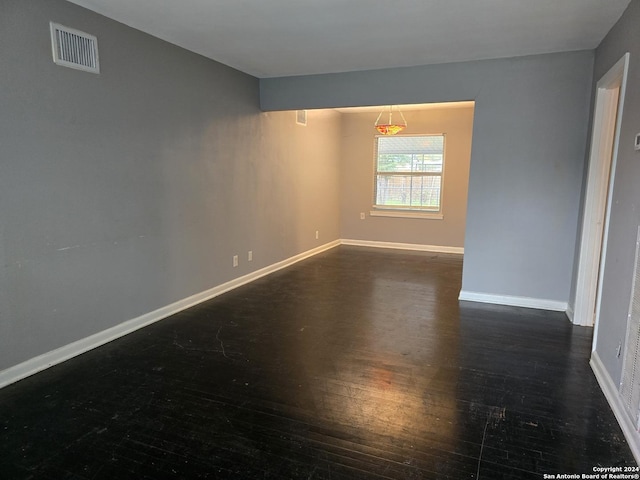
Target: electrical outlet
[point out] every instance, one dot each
(361, 215)
(317, 233)
(250, 256)
(235, 260)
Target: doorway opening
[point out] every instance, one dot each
(601, 176)
(408, 190)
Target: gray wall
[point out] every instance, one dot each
(123, 192)
(357, 173)
(529, 141)
(625, 211)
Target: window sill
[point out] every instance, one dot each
(406, 214)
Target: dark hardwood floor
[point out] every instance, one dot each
(354, 364)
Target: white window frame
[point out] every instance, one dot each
(408, 212)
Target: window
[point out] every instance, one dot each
(408, 173)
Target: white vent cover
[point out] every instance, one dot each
(630, 386)
(301, 117)
(74, 49)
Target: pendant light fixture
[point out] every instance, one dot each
(390, 127)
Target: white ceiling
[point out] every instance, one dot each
(407, 107)
(271, 38)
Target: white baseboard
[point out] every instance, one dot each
(528, 302)
(569, 313)
(615, 402)
(403, 246)
(59, 355)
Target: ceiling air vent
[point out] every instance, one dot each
(74, 49)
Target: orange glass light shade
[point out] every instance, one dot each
(390, 127)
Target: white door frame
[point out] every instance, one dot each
(595, 222)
